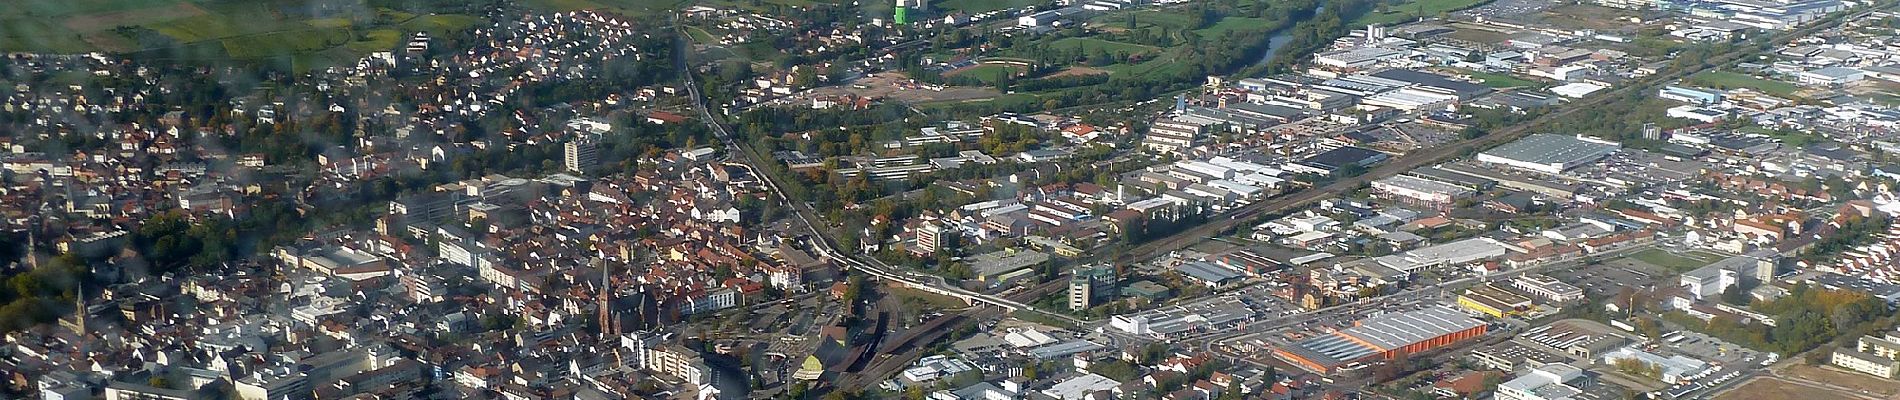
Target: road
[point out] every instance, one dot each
(1221, 223)
(821, 242)
(1401, 300)
(1434, 155)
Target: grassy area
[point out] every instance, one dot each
(33, 34)
(988, 73)
(1093, 44)
(1732, 80)
(302, 33)
(1414, 9)
(376, 40)
(628, 7)
(1171, 20)
(441, 24)
(1500, 80)
(1679, 262)
(1156, 66)
(700, 35)
(977, 6)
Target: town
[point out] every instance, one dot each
(950, 200)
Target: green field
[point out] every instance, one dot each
(1093, 44)
(628, 7)
(1679, 262)
(700, 35)
(977, 6)
(1413, 9)
(1732, 80)
(988, 73)
(296, 33)
(300, 33)
(1500, 80)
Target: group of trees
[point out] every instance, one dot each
(42, 294)
(1804, 319)
(1852, 233)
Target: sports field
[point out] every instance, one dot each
(1731, 80)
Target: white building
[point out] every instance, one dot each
(1545, 382)
(1708, 281)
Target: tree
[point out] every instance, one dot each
(1735, 295)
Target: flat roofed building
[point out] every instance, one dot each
(1454, 253)
(1548, 153)
(1544, 382)
(1546, 287)
(1383, 337)
(1493, 301)
(1674, 368)
(1356, 58)
(1332, 160)
(1422, 190)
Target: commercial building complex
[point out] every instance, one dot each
(1546, 287)
(1421, 190)
(1493, 301)
(1383, 337)
(1545, 382)
(1548, 153)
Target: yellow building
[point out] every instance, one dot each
(1494, 301)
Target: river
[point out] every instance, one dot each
(1280, 36)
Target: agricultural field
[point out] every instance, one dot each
(627, 7)
(1732, 80)
(302, 34)
(977, 6)
(1412, 10)
(299, 33)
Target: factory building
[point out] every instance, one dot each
(1493, 301)
(1382, 337)
(1548, 153)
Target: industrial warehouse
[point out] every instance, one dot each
(1383, 337)
(1548, 153)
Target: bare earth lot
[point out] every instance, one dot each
(1833, 376)
(1776, 389)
